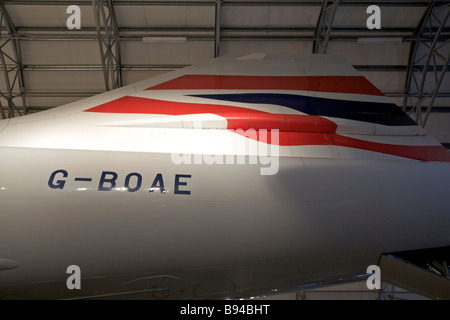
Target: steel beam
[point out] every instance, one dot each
(324, 26)
(428, 68)
(13, 89)
(217, 28)
(347, 3)
(387, 292)
(109, 42)
(116, 2)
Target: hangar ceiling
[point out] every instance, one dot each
(120, 42)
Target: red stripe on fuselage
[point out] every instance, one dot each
(237, 117)
(423, 153)
(338, 84)
(294, 130)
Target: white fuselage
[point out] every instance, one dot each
(99, 184)
(315, 220)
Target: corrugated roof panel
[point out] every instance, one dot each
(269, 16)
(391, 17)
(387, 81)
(61, 53)
(274, 46)
(166, 53)
(371, 53)
(165, 16)
(64, 81)
(48, 15)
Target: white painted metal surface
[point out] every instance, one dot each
(101, 190)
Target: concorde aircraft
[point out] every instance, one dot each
(239, 176)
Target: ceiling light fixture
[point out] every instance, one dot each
(164, 39)
(379, 40)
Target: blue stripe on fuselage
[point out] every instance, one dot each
(373, 112)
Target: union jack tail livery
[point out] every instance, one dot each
(235, 177)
